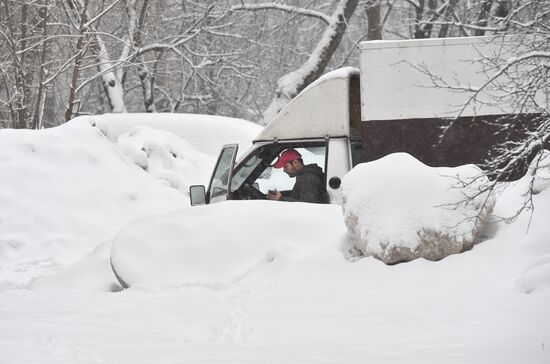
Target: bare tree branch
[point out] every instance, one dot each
(285, 8)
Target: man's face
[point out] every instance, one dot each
(291, 168)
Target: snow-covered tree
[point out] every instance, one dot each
(61, 58)
(290, 84)
(24, 49)
(520, 77)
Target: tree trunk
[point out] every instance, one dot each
(135, 35)
(41, 97)
(21, 111)
(293, 82)
(147, 79)
(111, 83)
(447, 17)
(483, 17)
(374, 24)
(424, 29)
(419, 10)
(77, 63)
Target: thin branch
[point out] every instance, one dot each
(98, 16)
(281, 7)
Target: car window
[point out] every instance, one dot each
(244, 171)
(276, 178)
(220, 179)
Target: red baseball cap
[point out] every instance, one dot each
(287, 156)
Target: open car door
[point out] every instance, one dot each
(220, 181)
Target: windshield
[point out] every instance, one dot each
(243, 172)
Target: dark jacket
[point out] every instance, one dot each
(309, 186)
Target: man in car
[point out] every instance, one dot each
(310, 180)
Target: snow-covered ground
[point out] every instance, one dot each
(237, 282)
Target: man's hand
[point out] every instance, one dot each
(274, 195)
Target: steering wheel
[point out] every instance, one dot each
(252, 193)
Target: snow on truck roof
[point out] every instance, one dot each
(321, 109)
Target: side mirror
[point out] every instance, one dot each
(197, 193)
(256, 185)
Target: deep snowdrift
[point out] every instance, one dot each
(67, 189)
(220, 244)
(205, 133)
(398, 209)
(66, 192)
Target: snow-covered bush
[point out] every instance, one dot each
(398, 209)
(536, 275)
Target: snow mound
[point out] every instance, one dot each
(166, 156)
(536, 276)
(532, 223)
(540, 170)
(54, 182)
(221, 244)
(398, 209)
(205, 133)
(91, 274)
(178, 149)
